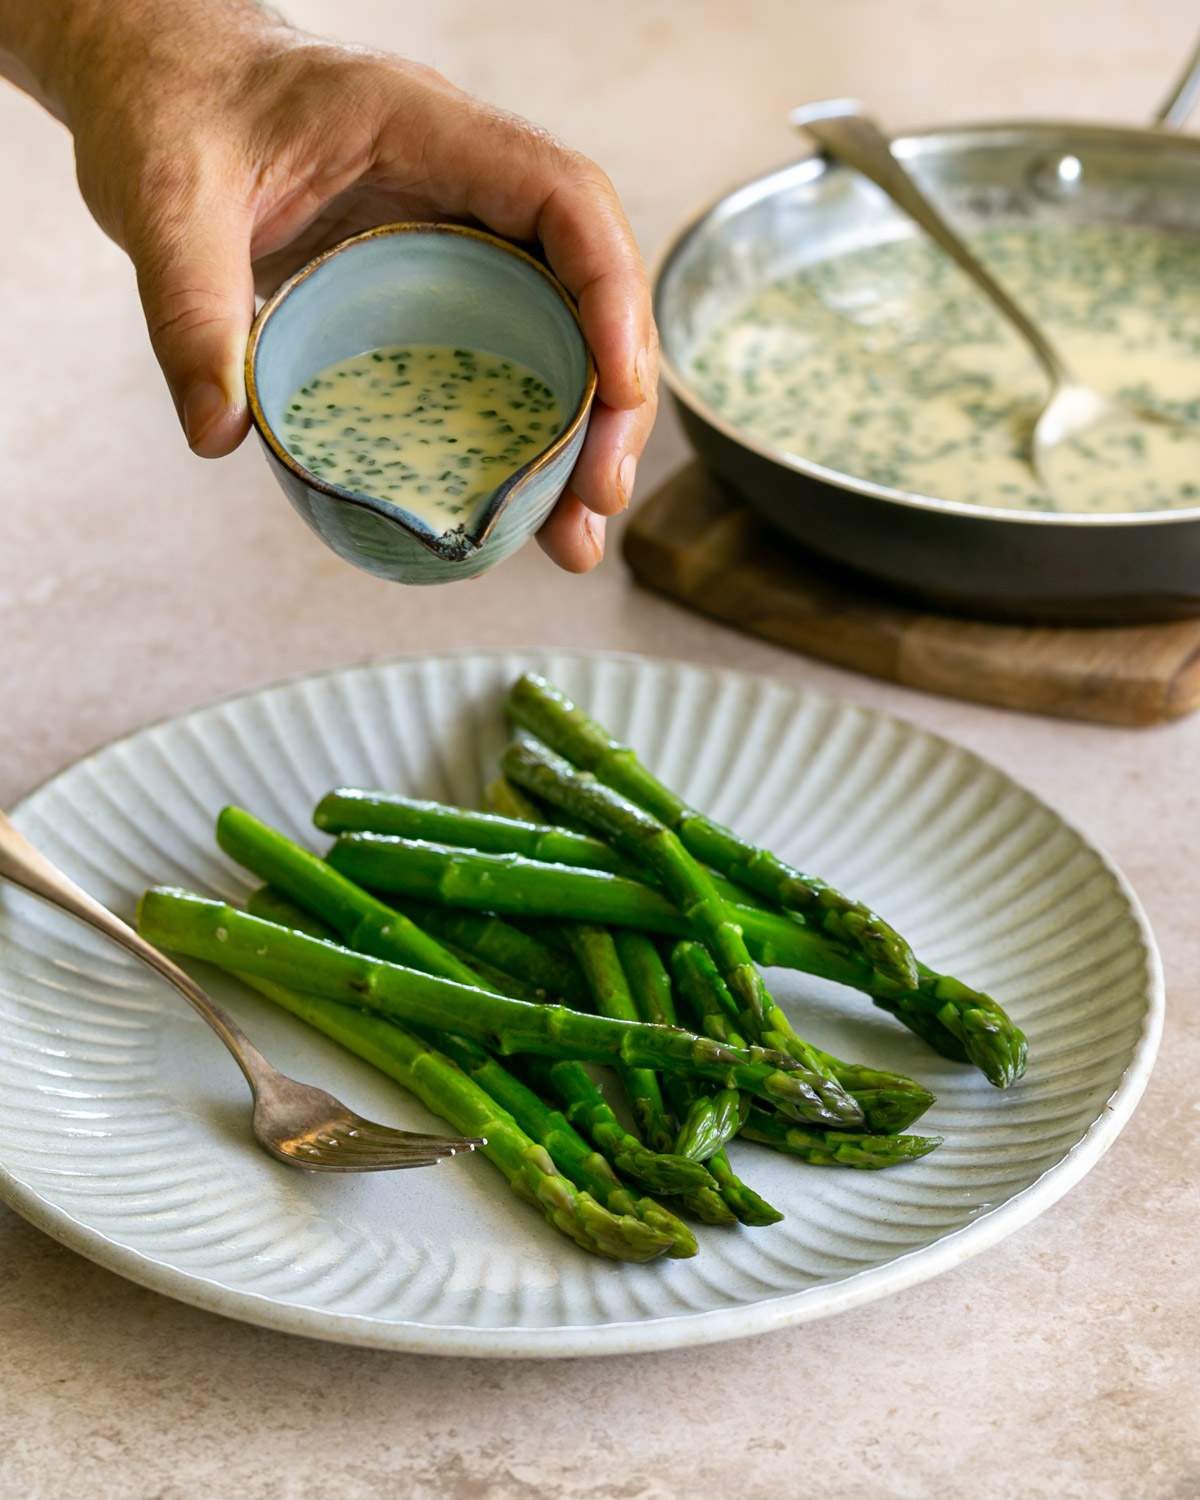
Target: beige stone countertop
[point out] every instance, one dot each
(136, 581)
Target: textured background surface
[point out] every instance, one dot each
(136, 581)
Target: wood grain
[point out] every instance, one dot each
(702, 546)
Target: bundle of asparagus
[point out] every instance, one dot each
(484, 959)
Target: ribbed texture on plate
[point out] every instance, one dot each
(119, 1112)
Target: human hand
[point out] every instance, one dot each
(222, 149)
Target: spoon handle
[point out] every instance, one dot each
(1174, 110)
(843, 129)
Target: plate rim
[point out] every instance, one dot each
(673, 1331)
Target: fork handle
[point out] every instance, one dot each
(29, 868)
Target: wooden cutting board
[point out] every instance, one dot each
(702, 546)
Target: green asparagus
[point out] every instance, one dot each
(549, 714)
(359, 919)
(211, 930)
(571, 1154)
(596, 954)
(443, 1088)
(588, 1169)
(650, 843)
(588, 1110)
(351, 811)
(837, 1148)
(889, 1101)
(507, 801)
(505, 947)
(711, 1122)
(367, 925)
(650, 985)
(705, 1202)
(957, 1021)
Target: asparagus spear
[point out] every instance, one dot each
(837, 1148)
(819, 1147)
(596, 955)
(889, 1101)
(363, 922)
(368, 925)
(507, 948)
(549, 714)
(651, 988)
(712, 1121)
(961, 1023)
(447, 1091)
(651, 844)
(587, 1169)
(500, 796)
(571, 1154)
(643, 837)
(360, 920)
(706, 1202)
(348, 810)
(269, 903)
(221, 934)
(956, 1020)
(588, 1110)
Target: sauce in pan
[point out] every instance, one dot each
(888, 365)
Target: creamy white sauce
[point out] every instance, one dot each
(433, 428)
(888, 364)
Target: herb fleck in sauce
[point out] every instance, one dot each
(432, 428)
(888, 365)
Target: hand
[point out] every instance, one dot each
(222, 150)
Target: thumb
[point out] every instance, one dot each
(197, 291)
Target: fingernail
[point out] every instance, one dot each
(594, 526)
(203, 406)
(626, 474)
(641, 370)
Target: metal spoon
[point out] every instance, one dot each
(1075, 411)
(1174, 110)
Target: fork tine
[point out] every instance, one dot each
(354, 1155)
(330, 1163)
(363, 1160)
(367, 1131)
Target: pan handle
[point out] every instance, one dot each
(1173, 112)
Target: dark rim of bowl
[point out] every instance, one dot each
(1145, 138)
(451, 546)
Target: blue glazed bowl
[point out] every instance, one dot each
(420, 284)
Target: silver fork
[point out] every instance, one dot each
(296, 1122)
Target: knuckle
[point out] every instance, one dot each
(585, 172)
(513, 133)
(427, 76)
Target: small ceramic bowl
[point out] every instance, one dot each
(420, 284)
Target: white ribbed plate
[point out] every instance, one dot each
(123, 1124)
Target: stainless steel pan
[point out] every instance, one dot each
(995, 562)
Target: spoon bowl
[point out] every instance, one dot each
(420, 284)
